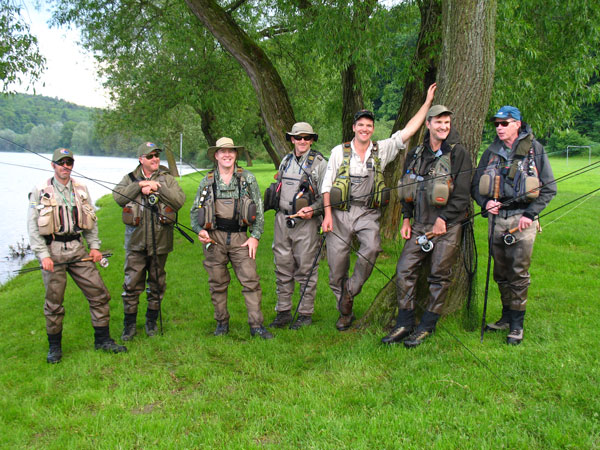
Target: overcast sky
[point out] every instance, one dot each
(70, 73)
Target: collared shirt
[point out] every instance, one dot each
(387, 152)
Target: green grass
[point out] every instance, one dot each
(313, 388)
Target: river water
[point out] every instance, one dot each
(22, 171)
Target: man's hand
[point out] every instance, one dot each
(524, 223)
(327, 224)
(305, 213)
(204, 237)
(406, 230)
(96, 255)
(48, 264)
(431, 93)
(149, 186)
(252, 244)
(439, 227)
(492, 207)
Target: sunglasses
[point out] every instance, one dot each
(151, 156)
(503, 124)
(303, 138)
(65, 162)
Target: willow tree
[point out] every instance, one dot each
(465, 75)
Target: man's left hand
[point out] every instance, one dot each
(305, 213)
(439, 227)
(252, 244)
(95, 255)
(524, 223)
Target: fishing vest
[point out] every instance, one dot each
(437, 183)
(293, 191)
(55, 218)
(226, 214)
(369, 191)
(519, 178)
(133, 211)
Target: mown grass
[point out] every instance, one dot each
(313, 388)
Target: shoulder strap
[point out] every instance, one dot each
(347, 153)
(132, 177)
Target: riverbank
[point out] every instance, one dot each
(316, 387)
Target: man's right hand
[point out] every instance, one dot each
(406, 230)
(48, 264)
(204, 237)
(327, 224)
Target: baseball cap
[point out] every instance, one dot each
(147, 147)
(507, 112)
(61, 153)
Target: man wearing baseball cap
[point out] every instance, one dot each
(61, 212)
(296, 239)
(150, 198)
(435, 193)
(228, 205)
(351, 177)
(526, 186)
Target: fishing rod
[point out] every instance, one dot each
(103, 263)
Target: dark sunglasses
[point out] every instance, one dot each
(303, 138)
(152, 156)
(504, 123)
(65, 162)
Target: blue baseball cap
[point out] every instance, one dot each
(507, 112)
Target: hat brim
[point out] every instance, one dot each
(212, 150)
(289, 136)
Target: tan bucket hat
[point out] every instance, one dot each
(224, 142)
(301, 128)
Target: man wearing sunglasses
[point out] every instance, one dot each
(526, 186)
(150, 198)
(296, 239)
(60, 213)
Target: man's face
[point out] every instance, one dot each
(150, 165)
(363, 129)
(225, 157)
(507, 130)
(302, 143)
(62, 169)
(439, 127)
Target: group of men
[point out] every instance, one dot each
(513, 183)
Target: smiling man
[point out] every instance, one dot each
(435, 193)
(352, 196)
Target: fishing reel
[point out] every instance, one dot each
(425, 243)
(103, 263)
(290, 222)
(152, 199)
(509, 238)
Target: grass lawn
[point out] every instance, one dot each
(316, 387)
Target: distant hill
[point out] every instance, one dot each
(21, 112)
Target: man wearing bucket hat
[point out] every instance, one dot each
(60, 213)
(354, 177)
(435, 193)
(526, 186)
(150, 198)
(227, 205)
(299, 209)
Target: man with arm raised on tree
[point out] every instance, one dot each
(150, 198)
(527, 185)
(352, 195)
(435, 193)
(60, 213)
(227, 203)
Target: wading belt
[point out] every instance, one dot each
(230, 225)
(62, 238)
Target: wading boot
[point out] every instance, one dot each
(346, 300)
(150, 327)
(405, 325)
(301, 321)
(423, 331)
(282, 319)
(501, 324)
(261, 331)
(54, 348)
(344, 322)
(129, 324)
(222, 328)
(515, 337)
(103, 341)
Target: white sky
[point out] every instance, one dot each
(70, 73)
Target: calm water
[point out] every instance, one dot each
(23, 171)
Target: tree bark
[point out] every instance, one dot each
(465, 80)
(275, 105)
(352, 100)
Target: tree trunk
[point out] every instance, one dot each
(465, 80)
(207, 120)
(171, 161)
(275, 106)
(352, 101)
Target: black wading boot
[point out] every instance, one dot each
(151, 317)
(423, 331)
(405, 325)
(55, 349)
(515, 337)
(103, 341)
(261, 331)
(301, 321)
(222, 328)
(282, 319)
(129, 330)
(501, 324)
